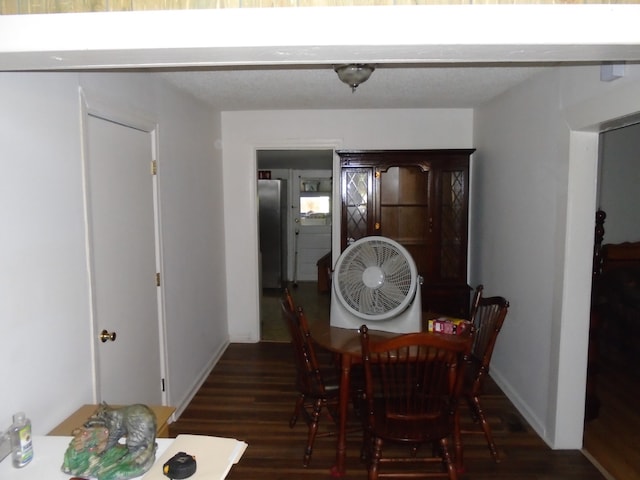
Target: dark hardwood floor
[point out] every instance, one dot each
(316, 306)
(613, 438)
(250, 396)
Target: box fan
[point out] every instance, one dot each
(375, 282)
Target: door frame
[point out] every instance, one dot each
(92, 104)
(332, 145)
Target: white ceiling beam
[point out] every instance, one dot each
(319, 36)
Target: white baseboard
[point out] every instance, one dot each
(521, 406)
(200, 379)
(596, 464)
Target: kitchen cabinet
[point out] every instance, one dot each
(419, 198)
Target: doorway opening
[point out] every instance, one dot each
(295, 193)
(612, 421)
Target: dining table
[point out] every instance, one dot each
(345, 343)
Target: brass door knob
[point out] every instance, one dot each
(105, 336)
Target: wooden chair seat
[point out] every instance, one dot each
(409, 428)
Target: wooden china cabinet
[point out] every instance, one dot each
(419, 198)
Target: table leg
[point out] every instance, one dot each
(339, 470)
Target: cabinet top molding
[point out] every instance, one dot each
(424, 157)
(434, 151)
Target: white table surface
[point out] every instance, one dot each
(48, 455)
(215, 456)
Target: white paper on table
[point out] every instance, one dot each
(214, 456)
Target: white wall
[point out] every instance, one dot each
(193, 241)
(517, 176)
(619, 195)
(532, 228)
(245, 132)
(45, 361)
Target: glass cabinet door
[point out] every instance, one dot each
(453, 224)
(357, 199)
(403, 210)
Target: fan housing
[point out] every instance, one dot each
(375, 282)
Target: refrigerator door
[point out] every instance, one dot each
(272, 196)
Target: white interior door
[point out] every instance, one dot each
(312, 220)
(122, 239)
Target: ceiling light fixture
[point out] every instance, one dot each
(353, 74)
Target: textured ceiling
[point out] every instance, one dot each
(319, 87)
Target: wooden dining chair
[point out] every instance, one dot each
(318, 386)
(487, 315)
(412, 385)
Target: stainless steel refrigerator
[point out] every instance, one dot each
(272, 208)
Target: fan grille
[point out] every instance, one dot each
(375, 278)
